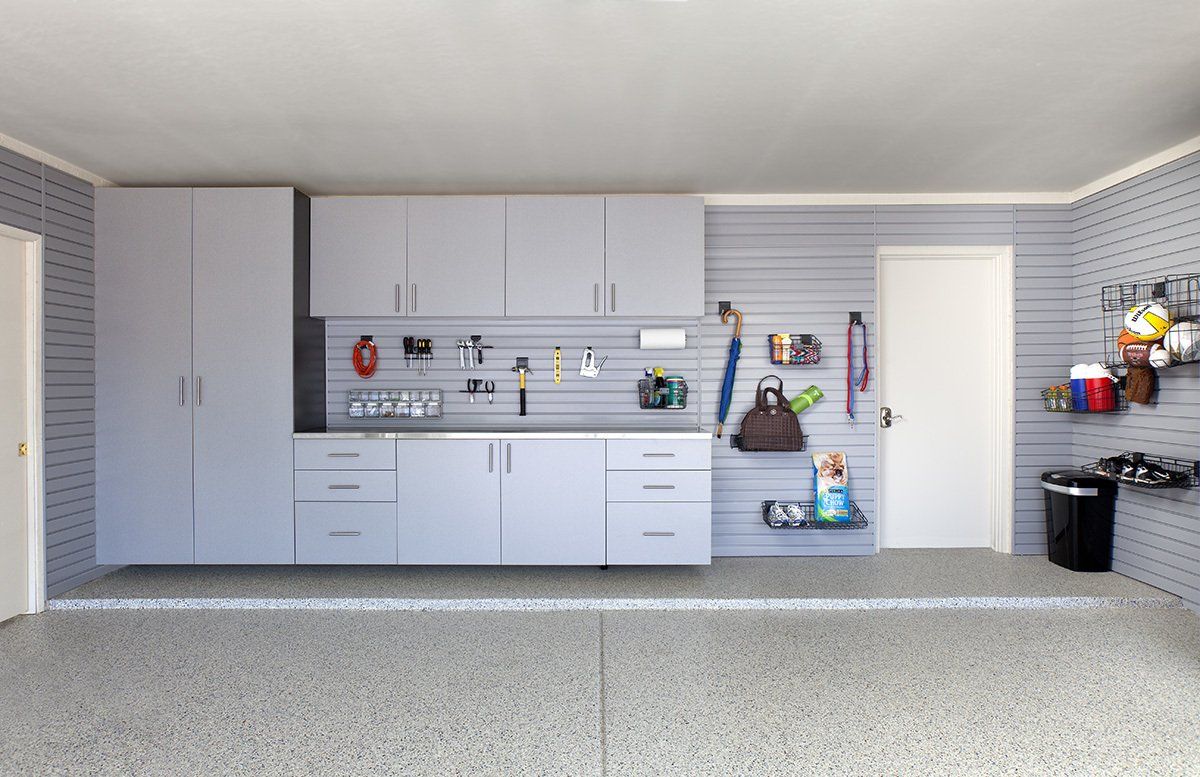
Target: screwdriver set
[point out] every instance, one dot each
(418, 352)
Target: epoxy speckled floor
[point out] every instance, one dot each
(891, 573)
(1092, 692)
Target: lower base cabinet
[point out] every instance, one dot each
(553, 504)
(345, 533)
(449, 501)
(647, 533)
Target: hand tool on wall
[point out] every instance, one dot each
(735, 351)
(477, 342)
(588, 367)
(424, 355)
(557, 364)
(860, 381)
(464, 347)
(366, 356)
(410, 349)
(522, 369)
(490, 388)
(472, 387)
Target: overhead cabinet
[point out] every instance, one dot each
(359, 256)
(201, 299)
(563, 256)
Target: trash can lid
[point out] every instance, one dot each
(1075, 478)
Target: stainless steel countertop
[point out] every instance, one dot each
(507, 434)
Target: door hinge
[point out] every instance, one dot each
(22, 449)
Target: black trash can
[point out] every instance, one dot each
(1079, 520)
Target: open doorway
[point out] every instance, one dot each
(22, 556)
(945, 392)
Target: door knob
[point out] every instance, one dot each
(886, 417)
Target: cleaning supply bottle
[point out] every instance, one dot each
(805, 400)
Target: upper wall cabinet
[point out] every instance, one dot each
(654, 256)
(456, 256)
(359, 256)
(555, 250)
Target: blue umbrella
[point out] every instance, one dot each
(735, 350)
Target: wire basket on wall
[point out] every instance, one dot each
(1179, 294)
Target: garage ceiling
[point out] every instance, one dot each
(728, 96)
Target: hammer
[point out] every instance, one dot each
(522, 369)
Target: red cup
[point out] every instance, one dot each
(1101, 394)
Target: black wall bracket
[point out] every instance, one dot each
(855, 317)
(723, 306)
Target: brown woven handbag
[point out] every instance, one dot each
(771, 427)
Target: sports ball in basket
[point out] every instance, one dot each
(1159, 356)
(1124, 340)
(1147, 322)
(1183, 341)
(1137, 354)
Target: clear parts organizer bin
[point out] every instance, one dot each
(394, 403)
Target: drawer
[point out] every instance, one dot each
(345, 454)
(660, 454)
(330, 533)
(660, 533)
(660, 486)
(345, 486)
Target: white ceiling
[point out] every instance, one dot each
(457, 96)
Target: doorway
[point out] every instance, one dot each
(945, 389)
(22, 581)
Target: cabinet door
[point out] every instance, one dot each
(449, 501)
(456, 256)
(359, 256)
(654, 256)
(555, 256)
(552, 510)
(242, 350)
(143, 376)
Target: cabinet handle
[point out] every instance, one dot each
(344, 487)
(397, 298)
(345, 534)
(658, 534)
(508, 455)
(658, 455)
(595, 298)
(199, 386)
(659, 488)
(613, 297)
(491, 457)
(414, 298)
(182, 381)
(342, 455)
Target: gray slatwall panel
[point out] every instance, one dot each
(607, 401)
(59, 206)
(1043, 253)
(788, 269)
(1144, 227)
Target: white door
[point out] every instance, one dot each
(937, 373)
(14, 519)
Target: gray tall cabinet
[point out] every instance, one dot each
(204, 350)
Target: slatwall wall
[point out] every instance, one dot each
(1145, 227)
(44, 200)
(608, 401)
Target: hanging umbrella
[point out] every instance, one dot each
(735, 350)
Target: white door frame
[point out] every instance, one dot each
(1003, 407)
(35, 510)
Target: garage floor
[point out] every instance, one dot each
(1112, 688)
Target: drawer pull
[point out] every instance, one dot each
(344, 487)
(342, 455)
(658, 534)
(659, 488)
(345, 534)
(658, 455)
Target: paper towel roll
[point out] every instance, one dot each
(663, 339)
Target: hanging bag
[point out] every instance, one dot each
(770, 426)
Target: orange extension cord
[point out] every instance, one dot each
(368, 369)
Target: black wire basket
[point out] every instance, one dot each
(666, 398)
(1179, 294)
(803, 515)
(798, 351)
(1109, 398)
(1185, 472)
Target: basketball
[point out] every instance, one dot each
(1147, 322)
(1182, 341)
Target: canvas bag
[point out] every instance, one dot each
(771, 426)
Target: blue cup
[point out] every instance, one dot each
(1079, 394)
